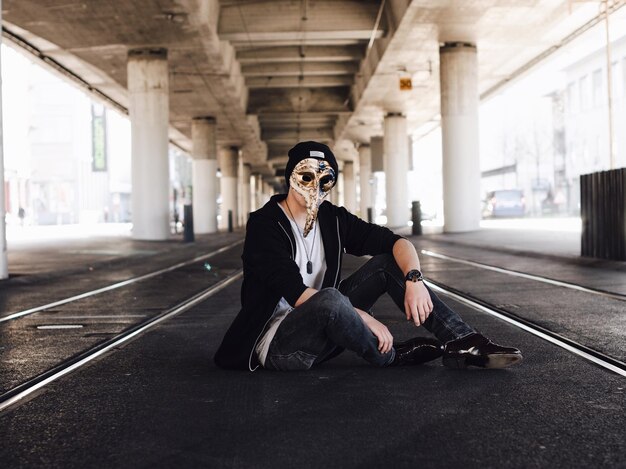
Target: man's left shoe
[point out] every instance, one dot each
(416, 351)
(477, 350)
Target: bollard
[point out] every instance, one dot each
(230, 221)
(416, 216)
(369, 214)
(188, 235)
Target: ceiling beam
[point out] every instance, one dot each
(322, 41)
(293, 53)
(296, 69)
(308, 124)
(299, 82)
(299, 37)
(297, 135)
(263, 101)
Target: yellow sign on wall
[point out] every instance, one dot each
(406, 84)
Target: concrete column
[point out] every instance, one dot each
(257, 184)
(4, 263)
(268, 191)
(336, 194)
(229, 163)
(396, 163)
(260, 201)
(459, 130)
(377, 151)
(349, 186)
(204, 153)
(149, 120)
(365, 173)
(246, 194)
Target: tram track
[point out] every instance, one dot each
(515, 273)
(598, 358)
(594, 356)
(117, 285)
(27, 388)
(22, 391)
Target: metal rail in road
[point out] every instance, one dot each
(26, 312)
(515, 273)
(27, 388)
(594, 356)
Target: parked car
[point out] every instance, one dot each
(504, 203)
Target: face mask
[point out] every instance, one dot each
(312, 179)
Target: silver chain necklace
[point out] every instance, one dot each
(309, 264)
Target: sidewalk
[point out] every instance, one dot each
(544, 236)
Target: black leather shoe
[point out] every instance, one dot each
(478, 350)
(416, 351)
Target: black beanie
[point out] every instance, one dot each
(309, 149)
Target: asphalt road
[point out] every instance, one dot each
(160, 402)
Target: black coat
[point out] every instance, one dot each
(270, 272)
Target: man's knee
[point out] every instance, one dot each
(332, 304)
(331, 296)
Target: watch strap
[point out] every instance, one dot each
(414, 276)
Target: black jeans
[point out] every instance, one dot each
(327, 322)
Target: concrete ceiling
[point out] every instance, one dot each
(275, 72)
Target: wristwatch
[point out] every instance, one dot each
(414, 276)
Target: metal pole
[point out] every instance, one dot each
(4, 267)
(416, 216)
(609, 79)
(188, 234)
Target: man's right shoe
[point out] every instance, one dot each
(477, 350)
(416, 351)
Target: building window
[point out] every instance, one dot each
(570, 105)
(596, 83)
(623, 78)
(583, 89)
(616, 82)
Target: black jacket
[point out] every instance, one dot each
(270, 272)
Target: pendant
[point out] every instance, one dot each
(309, 267)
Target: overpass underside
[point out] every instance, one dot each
(236, 83)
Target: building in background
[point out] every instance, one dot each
(543, 133)
(68, 157)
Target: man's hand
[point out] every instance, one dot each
(385, 339)
(417, 302)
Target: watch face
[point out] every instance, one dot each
(414, 276)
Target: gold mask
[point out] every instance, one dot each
(312, 179)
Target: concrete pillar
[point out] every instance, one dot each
(253, 192)
(365, 174)
(268, 191)
(396, 163)
(149, 120)
(256, 188)
(229, 163)
(459, 130)
(260, 201)
(246, 194)
(336, 194)
(377, 151)
(349, 186)
(204, 153)
(4, 263)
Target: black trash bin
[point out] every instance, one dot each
(603, 213)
